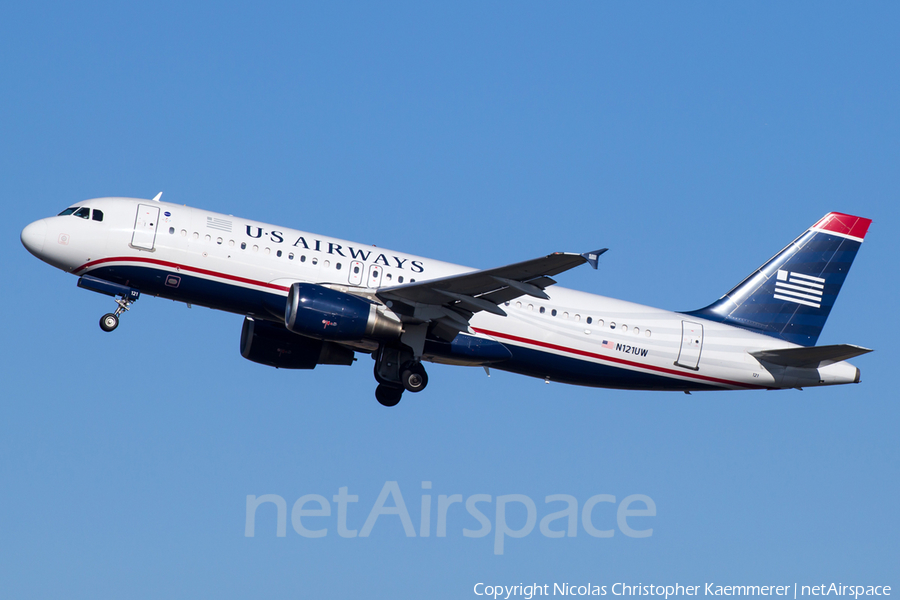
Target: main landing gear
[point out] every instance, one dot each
(396, 371)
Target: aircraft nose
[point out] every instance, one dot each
(33, 237)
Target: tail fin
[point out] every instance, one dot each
(790, 297)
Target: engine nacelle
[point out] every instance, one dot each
(325, 314)
(273, 345)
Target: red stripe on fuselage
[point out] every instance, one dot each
(180, 267)
(244, 280)
(616, 360)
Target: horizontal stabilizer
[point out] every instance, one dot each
(810, 357)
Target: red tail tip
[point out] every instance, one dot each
(844, 225)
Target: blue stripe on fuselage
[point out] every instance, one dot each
(195, 290)
(241, 300)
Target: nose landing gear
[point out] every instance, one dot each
(129, 296)
(110, 321)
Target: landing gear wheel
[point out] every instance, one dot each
(388, 395)
(108, 322)
(414, 377)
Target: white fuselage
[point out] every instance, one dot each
(566, 338)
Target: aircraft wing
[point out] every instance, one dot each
(451, 301)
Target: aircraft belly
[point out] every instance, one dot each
(600, 357)
(182, 286)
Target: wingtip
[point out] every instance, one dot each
(593, 257)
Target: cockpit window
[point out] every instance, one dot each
(84, 213)
(67, 212)
(98, 215)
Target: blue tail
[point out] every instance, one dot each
(790, 297)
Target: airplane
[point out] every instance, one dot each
(311, 300)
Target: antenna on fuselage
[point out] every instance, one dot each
(157, 197)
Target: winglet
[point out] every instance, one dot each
(157, 197)
(592, 257)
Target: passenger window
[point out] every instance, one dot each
(543, 310)
(553, 312)
(97, 215)
(84, 213)
(67, 212)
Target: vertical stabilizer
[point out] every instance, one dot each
(791, 296)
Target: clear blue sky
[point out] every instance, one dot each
(694, 140)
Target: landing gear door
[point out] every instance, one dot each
(691, 344)
(145, 223)
(375, 272)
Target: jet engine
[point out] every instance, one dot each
(325, 314)
(273, 345)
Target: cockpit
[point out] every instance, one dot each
(82, 211)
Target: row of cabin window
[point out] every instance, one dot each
(279, 254)
(588, 320)
(84, 212)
